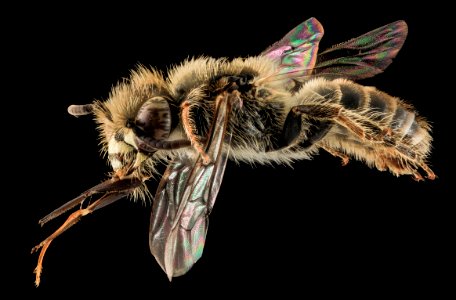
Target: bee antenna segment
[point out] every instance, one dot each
(80, 110)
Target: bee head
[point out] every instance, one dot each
(137, 113)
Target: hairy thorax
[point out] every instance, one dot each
(257, 123)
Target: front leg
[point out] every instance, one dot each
(192, 110)
(194, 106)
(188, 122)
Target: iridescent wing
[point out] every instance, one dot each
(358, 58)
(364, 56)
(297, 51)
(184, 200)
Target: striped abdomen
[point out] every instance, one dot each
(375, 127)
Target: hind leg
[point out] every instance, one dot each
(320, 117)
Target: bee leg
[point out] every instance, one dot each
(319, 131)
(322, 117)
(112, 190)
(109, 185)
(151, 146)
(410, 154)
(72, 219)
(429, 173)
(293, 127)
(190, 129)
(200, 143)
(344, 157)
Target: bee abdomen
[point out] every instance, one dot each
(373, 126)
(384, 114)
(352, 96)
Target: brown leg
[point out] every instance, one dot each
(429, 173)
(72, 219)
(189, 127)
(110, 185)
(112, 190)
(347, 123)
(200, 144)
(324, 117)
(344, 157)
(332, 113)
(410, 154)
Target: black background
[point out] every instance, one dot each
(314, 228)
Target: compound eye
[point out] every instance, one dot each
(154, 119)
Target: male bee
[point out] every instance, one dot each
(286, 104)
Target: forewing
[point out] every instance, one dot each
(297, 51)
(364, 56)
(184, 200)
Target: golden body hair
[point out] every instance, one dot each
(382, 130)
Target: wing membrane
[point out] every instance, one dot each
(298, 49)
(363, 56)
(184, 200)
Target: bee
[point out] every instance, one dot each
(284, 105)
